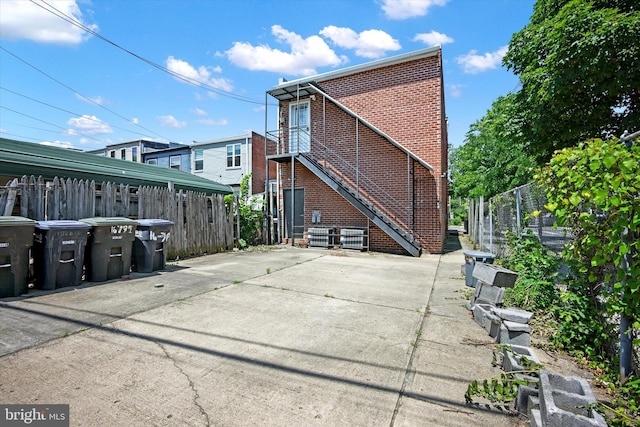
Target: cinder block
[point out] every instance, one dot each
(512, 360)
(535, 418)
(494, 275)
(522, 400)
(487, 294)
(514, 333)
(492, 325)
(564, 402)
(480, 311)
(513, 314)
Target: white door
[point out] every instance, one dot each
(299, 132)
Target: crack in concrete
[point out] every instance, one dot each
(410, 372)
(196, 395)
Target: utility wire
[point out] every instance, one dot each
(73, 113)
(49, 123)
(80, 94)
(178, 76)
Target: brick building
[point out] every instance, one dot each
(365, 148)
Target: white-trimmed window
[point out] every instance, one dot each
(123, 154)
(233, 155)
(152, 161)
(174, 162)
(134, 154)
(112, 154)
(199, 160)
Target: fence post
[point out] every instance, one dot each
(518, 212)
(481, 223)
(490, 227)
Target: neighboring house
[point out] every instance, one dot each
(228, 160)
(365, 148)
(174, 158)
(133, 150)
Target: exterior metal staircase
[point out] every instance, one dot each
(402, 237)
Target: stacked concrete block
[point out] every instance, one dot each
(564, 402)
(480, 312)
(492, 280)
(514, 333)
(513, 355)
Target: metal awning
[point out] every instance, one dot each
(295, 91)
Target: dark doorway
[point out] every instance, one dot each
(298, 226)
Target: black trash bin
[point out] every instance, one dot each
(16, 238)
(58, 253)
(108, 252)
(470, 259)
(149, 248)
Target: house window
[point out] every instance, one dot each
(233, 155)
(199, 155)
(123, 154)
(112, 154)
(134, 154)
(152, 161)
(174, 162)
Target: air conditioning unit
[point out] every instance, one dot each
(351, 238)
(318, 237)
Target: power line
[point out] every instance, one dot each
(73, 113)
(178, 76)
(80, 94)
(48, 123)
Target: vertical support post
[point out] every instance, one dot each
(324, 127)
(626, 343)
(481, 223)
(357, 161)
(490, 227)
(293, 199)
(408, 192)
(267, 195)
(518, 212)
(298, 122)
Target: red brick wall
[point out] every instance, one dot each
(258, 162)
(405, 101)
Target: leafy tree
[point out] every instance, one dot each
(577, 63)
(492, 159)
(250, 214)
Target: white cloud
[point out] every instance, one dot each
(472, 63)
(433, 38)
(201, 75)
(88, 125)
(135, 120)
(403, 9)
(304, 57)
(98, 100)
(213, 122)
(198, 112)
(60, 144)
(455, 90)
(25, 20)
(171, 122)
(368, 44)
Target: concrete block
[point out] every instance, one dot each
(494, 275)
(512, 356)
(513, 314)
(492, 325)
(564, 402)
(480, 311)
(522, 400)
(514, 334)
(535, 418)
(487, 294)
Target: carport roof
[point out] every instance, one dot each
(19, 158)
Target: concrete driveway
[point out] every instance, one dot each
(280, 337)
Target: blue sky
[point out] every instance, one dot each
(185, 70)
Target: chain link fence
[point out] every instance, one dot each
(514, 211)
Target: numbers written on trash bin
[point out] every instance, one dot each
(121, 229)
(162, 236)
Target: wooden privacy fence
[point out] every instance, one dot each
(201, 222)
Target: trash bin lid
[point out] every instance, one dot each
(11, 221)
(478, 254)
(105, 222)
(62, 224)
(153, 222)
